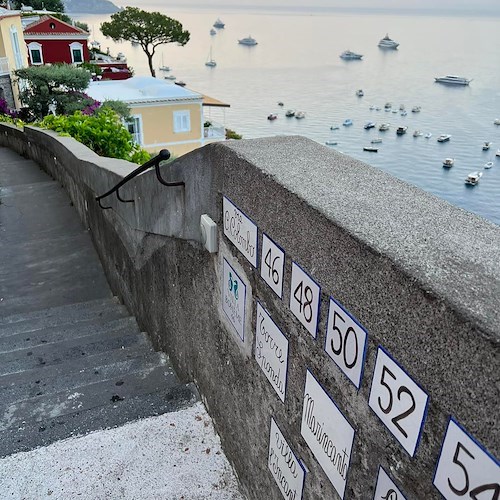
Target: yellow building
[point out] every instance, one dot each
(164, 115)
(12, 54)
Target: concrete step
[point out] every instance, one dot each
(48, 429)
(58, 315)
(102, 393)
(68, 377)
(60, 333)
(71, 349)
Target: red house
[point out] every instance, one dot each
(50, 40)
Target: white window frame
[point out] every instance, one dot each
(136, 122)
(182, 121)
(76, 46)
(14, 37)
(35, 46)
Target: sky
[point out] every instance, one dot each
(479, 7)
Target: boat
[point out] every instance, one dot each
(360, 93)
(247, 41)
(387, 106)
(417, 133)
(334, 127)
(486, 145)
(401, 130)
(299, 115)
(163, 67)
(453, 80)
(290, 113)
(383, 127)
(213, 32)
(370, 149)
(444, 138)
(377, 108)
(416, 109)
(428, 135)
(394, 110)
(349, 55)
(402, 107)
(280, 103)
(180, 83)
(497, 153)
(496, 121)
(473, 178)
(372, 107)
(448, 162)
(347, 122)
(210, 61)
(331, 143)
(488, 165)
(370, 125)
(218, 24)
(388, 43)
(272, 117)
(378, 140)
(169, 77)
(404, 112)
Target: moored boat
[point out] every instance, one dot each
(272, 117)
(388, 43)
(383, 127)
(416, 109)
(219, 24)
(401, 130)
(417, 133)
(299, 115)
(370, 149)
(496, 121)
(444, 138)
(360, 93)
(247, 41)
(349, 55)
(370, 125)
(448, 162)
(428, 135)
(213, 32)
(331, 143)
(453, 80)
(488, 165)
(473, 178)
(378, 140)
(290, 113)
(486, 145)
(347, 122)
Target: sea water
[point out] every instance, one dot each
(297, 62)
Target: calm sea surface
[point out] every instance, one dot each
(297, 62)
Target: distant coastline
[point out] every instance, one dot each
(90, 7)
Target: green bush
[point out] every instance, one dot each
(231, 134)
(102, 132)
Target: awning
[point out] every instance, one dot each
(211, 101)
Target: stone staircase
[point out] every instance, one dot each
(72, 359)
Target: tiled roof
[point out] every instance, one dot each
(29, 30)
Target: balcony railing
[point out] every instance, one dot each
(4, 66)
(214, 132)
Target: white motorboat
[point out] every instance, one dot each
(387, 106)
(247, 41)
(331, 143)
(473, 178)
(404, 112)
(290, 113)
(496, 121)
(453, 80)
(272, 117)
(299, 115)
(378, 140)
(218, 24)
(486, 145)
(448, 162)
(370, 125)
(401, 130)
(428, 135)
(488, 165)
(170, 77)
(383, 127)
(417, 133)
(416, 109)
(497, 153)
(347, 122)
(402, 107)
(334, 127)
(388, 43)
(210, 61)
(444, 138)
(370, 149)
(360, 93)
(349, 55)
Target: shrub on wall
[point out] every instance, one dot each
(103, 132)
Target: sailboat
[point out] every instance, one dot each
(163, 67)
(210, 62)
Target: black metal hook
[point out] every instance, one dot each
(121, 199)
(104, 208)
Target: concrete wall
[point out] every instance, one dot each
(422, 277)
